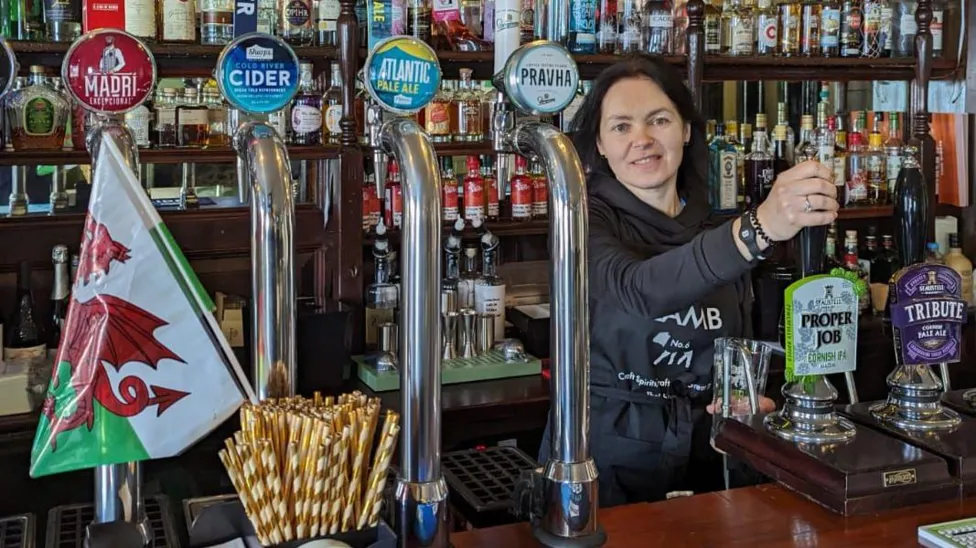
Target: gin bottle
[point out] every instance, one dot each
(489, 291)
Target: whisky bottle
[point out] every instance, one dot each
(332, 104)
(805, 149)
(830, 28)
(955, 260)
(767, 31)
(60, 296)
(166, 118)
(37, 114)
(851, 28)
(381, 295)
(489, 290)
(810, 32)
(790, 27)
(216, 22)
(437, 115)
(219, 130)
(468, 104)
(295, 24)
(192, 120)
(742, 27)
(875, 163)
(306, 110)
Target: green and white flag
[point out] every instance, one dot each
(143, 370)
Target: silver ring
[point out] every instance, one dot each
(807, 206)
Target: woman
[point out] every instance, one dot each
(666, 279)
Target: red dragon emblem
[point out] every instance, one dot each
(107, 330)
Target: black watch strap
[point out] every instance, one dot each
(749, 232)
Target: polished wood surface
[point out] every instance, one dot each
(849, 478)
(765, 516)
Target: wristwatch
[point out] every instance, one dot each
(748, 232)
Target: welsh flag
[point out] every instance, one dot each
(142, 371)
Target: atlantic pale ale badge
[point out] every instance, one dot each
(402, 74)
(927, 312)
(258, 73)
(109, 71)
(820, 326)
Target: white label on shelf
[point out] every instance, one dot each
(490, 299)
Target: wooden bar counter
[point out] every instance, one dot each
(765, 516)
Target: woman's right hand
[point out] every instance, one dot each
(802, 196)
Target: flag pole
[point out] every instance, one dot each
(118, 487)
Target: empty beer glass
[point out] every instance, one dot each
(738, 379)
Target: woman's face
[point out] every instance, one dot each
(641, 134)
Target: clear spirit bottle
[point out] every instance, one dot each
(332, 104)
(830, 28)
(893, 151)
(295, 24)
(658, 27)
(810, 32)
(629, 25)
(37, 114)
(767, 28)
(489, 291)
(742, 25)
(606, 39)
(877, 181)
(468, 104)
(790, 27)
(306, 110)
(216, 22)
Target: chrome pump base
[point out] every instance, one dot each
(421, 513)
(570, 502)
(809, 416)
(915, 401)
(118, 497)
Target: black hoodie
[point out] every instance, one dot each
(662, 290)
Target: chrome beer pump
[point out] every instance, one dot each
(264, 180)
(539, 78)
(118, 487)
(402, 75)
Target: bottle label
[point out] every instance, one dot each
(876, 174)
(742, 36)
(857, 182)
(767, 33)
(490, 299)
(193, 117)
(438, 118)
(328, 13)
(474, 198)
(306, 119)
(713, 43)
(394, 200)
(892, 167)
(332, 116)
(39, 117)
(140, 18)
(450, 199)
(540, 197)
(840, 176)
(165, 116)
(825, 154)
(491, 192)
(728, 191)
(583, 20)
(298, 13)
(522, 194)
(830, 28)
(660, 20)
(935, 27)
(885, 28)
(908, 25)
(179, 20)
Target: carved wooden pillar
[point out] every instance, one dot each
(348, 203)
(696, 49)
(921, 137)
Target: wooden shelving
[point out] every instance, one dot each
(217, 155)
(865, 212)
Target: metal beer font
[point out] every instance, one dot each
(927, 313)
(821, 326)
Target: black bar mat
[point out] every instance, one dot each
(17, 531)
(66, 524)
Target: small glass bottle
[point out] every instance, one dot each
(767, 29)
(893, 151)
(522, 191)
(469, 116)
(723, 184)
(37, 114)
(166, 118)
(437, 115)
(474, 191)
(418, 19)
(540, 191)
(658, 18)
(877, 181)
(582, 26)
(192, 120)
(295, 22)
(268, 17)
(449, 190)
(332, 104)
(743, 29)
(63, 20)
(327, 22)
(306, 110)
(491, 187)
(857, 171)
(629, 26)
(790, 27)
(810, 33)
(216, 22)
(830, 28)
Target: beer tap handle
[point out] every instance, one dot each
(851, 388)
(944, 373)
(374, 121)
(502, 125)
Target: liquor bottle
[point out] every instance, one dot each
(393, 202)
(192, 120)
(140, 19)
(790, 27)
(723, 180)
(745, 138)
(452, 256)
(903, 28)
(759, 169)
(332, 104)
(474, 191)
(767, 28)
(955, 260)
(63, 20)
(527, 21)
(781, 155)
(582, 26)
(521, 191)
(874, 32)
(370, 202)
(732, 136)
(449, 192)
(327, 22)
(219, 129)
(437, 115)
(24, 340)
(606, 36)
(418, 19)
(60, 296)
(840, 162)
(851, 28)
(869, 255)
(540, 190)
(830, 28)
(138, 120)
(830, 252)
(826, 142)
(725, 27)
(489, 290)
(810, 14)
(713, 27)
(491, 187)
(742, 25)
(877, 180)
(472, 16)
(806, 148)
(165, 106)
(469, 276)
(658, 18)
(853, 263)
(911, 209)
(762, 126)
(469, 116)
(295, 24)
(890, 254)
(782, 119)
(177, 21)
(937, 26)
(267, 17)
(306, 110)
(893, 151)
(217, 22)
(857, 171)
(381, 295)
(37, 114)
(629, 25)
(932, 254)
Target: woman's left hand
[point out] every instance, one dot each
(766, 405)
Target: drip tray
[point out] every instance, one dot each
(66, 524)
(484, 480)
(17, 531)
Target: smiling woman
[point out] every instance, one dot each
(666, 277)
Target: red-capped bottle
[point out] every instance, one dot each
(522, 191)
(371, 204)
(393, 214)
(491, 187)
(449, 190)
(540, 192)
(474, 191)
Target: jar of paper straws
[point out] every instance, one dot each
(305, 468)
